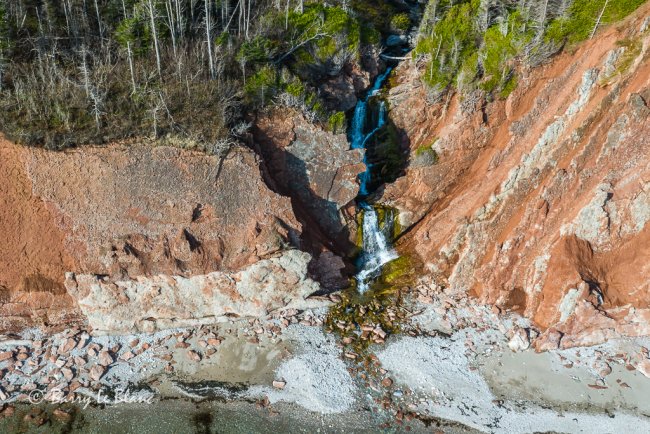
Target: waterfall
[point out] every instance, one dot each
(358, 124)
(357, 136)
(376, 249)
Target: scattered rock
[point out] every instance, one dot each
(83, 340)
(6, 355)
(96, 372)
(548, 341)
(127, 356)
(193, 355)
(68, 346)
(8, 411)
(387, 382)
(214, 342)
(519, 340)
(67, 374)
(644, 367)
(279, 384)
(105, 358)
(61, 415)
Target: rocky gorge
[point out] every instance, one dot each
(519, 227)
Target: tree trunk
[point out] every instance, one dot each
(208, 38)
(154, 33)
(600, 17)
(99, 25)
(130, 56)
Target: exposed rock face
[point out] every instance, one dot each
(136, 214)
(32, 254)
(147, 304)
(344, 86)
(539, 203)
(315, 168)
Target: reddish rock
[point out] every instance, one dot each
(96, 372)
(644, 367)
(538, 203)
(126, 212)
(317, 169)
(193, 355)
(105, 358)
(6, 355)
(61, 415)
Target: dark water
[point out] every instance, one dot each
(182, 416)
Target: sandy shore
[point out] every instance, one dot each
(451, 369)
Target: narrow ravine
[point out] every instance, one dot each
(376, 243)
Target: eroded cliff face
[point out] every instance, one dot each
(137, 238)
(539, 203)
(318, 171)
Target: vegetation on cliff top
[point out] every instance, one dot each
(179, 71)
(476, 44)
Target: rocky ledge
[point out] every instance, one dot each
(162, 233)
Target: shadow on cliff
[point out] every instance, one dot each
(322, 228)
(388, 152)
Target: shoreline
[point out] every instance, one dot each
(451, 367)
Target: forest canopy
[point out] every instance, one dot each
(183, 72)
(476, 44)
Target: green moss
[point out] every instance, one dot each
(400, 22)
(262, 85)
(632, 49)
(337, 122)
(296, 88)
(509, 87)
(397, 273)
(380, 306)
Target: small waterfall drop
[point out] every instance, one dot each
(376, 249)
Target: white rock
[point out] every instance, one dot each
(519, 340)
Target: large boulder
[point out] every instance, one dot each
(316, 168)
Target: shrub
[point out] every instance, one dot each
(400, 22)
(337, 122)
(583, 15)
(425, 155)
(460, 53)
(501, 44)
(261, 86)
(452, 40)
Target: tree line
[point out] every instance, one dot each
(179, 71)
(471, 45)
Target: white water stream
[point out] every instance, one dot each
(376, 249)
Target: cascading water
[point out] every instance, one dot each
(376, 249)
